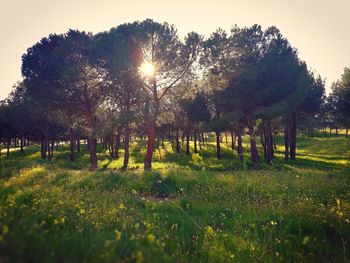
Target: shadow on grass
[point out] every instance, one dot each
(323, 153)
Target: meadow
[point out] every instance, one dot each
(188, 209)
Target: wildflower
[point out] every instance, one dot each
(122, 206)
(338, 203)
(138, 256)
(59, 221)
(210, 231)
(117, 235)
(306, 240)
(150, 237)
(273, 223)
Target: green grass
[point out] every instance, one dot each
(189, 209)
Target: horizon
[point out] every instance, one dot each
(319, 30)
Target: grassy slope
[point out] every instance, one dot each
(213, 212)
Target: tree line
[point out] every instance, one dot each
(141, 80)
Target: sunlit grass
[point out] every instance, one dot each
(190, 209)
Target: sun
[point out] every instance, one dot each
(147, 69)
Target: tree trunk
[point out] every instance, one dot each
(92, 152)
(71, 144)
(233, 139)
(274, 140)
(188, 141)
(177, 143)
(253, 149)
(151, 129)
(293, 137)
(78, 141)
(286, 141)
(45, 143)
(268, 142)
(105, 144)
(22, 143)
(254, 153)
(117, 144)
(126, 147)
(347, 132)
(240, 146)
(41, 145)
(263, 139)
(52, 147)
(151, 134)
(49, 151)
(218, 149)
(92, 139)
(195, 142)
(8, 144)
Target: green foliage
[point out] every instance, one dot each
(197, 159)
(162, 187)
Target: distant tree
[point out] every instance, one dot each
(197, 112)
(339, 100)
(309, 111)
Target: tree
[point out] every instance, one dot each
(340, 100)
(197, 112)
(118, 52)
(61, 75)
(269, 82)
(167, 60)
(41, 73)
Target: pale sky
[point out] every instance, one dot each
(319, 29)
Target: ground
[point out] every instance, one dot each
(189, 209)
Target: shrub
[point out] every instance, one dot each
(163, 187)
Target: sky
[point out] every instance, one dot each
(319, 29)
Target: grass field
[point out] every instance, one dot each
(189, 209)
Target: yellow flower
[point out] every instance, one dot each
(117, 235)
(306, 240)
(150, 237)
(59, 221)
(338, 203)
(210, 231)
(273, 223)
(122, 206)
